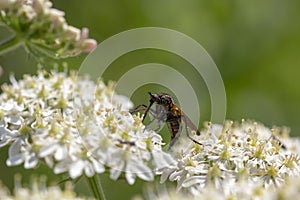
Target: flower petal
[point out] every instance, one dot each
(76, 169)
(15, 160)
(47, 150)
(31, 161)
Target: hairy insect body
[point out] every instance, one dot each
(167, 111)
(174, 121)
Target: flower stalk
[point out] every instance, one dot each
(11, 45)
(95, 186)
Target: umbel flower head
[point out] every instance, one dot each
(243, 189)
(43, 30)
(76, 126)
(235, 156)
(38, 190)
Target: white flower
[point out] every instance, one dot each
(38, 191)
(242, 189)
(120, 142)
(77, 127)
(233, 152)
(46, 30)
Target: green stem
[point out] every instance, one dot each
(96, 187)
(10, 45)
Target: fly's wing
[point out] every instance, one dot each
(158, 117)
(160, 113)
(188, 122)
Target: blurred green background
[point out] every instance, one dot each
(255, 44)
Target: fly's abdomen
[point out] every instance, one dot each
(174, 126)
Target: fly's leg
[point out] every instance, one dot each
(188, 135)
(157, 115)
(159, 124)
(144, 107)
(126, 142)
(283, 146)
(139, 108)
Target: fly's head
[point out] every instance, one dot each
(162, 99)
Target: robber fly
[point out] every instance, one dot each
(167, 111)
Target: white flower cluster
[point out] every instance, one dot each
(44, 28)
(78, 127)
(242, 189)
(38, 191)
(235, 157)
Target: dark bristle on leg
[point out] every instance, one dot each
(138, 108)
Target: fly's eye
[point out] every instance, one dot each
(165, 101)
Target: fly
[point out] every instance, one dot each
(167, 111)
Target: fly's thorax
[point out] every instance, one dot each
(174, 115)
